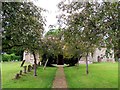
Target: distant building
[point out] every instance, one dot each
(28, 57)
(99, 55)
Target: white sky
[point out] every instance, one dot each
(51, 6)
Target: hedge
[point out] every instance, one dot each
(10, 57)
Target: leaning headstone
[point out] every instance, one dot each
(33, 66)
(17, 76)
(22, 63)
(29, 68)
(20, 72)
(25, 68)
(39, 63)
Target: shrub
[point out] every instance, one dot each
(6, 57)
(14, 57)
(71, 61)
(10, 57)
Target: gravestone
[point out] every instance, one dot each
(29, 68)
(17, 76)
(38, 64)
(25, 68)
(33, 66)
(22, 63)
(20, 72)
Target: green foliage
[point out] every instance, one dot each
(10, 57)
(6, 57)
(22, 24)
(52, 42)
(23, 27)
(53, 32)
(90, 24)
(16, 51)
(14, 57)
(81, 32)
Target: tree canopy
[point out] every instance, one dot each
(90, 23)
(23, 26)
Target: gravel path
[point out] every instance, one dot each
(60, 80)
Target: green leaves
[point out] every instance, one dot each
(23, 25)
(90, 24)
(53, 42)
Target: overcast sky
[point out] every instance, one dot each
(51, 6)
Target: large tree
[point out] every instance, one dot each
(23, 27)
(89, 24)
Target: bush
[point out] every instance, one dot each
(10, 57)
(14, 57)
(71, 61)
(6, 57)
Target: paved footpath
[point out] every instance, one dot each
(60, 80)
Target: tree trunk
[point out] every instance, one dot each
(79, 59)
(87, 64)
(20, 72)
(45, 64)
(35, 64)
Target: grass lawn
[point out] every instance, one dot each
(101, 75)
(43, 80)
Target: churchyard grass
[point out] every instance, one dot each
(101, 75)
(43, 80)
